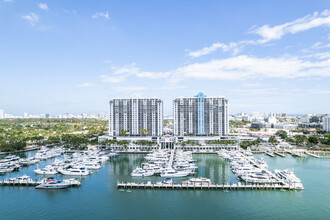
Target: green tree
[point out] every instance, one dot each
(300, 139)
(144, 131)
(272, 140)
(123, 132)
(313, 140)
(282, 134)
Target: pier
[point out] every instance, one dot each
(132, 185)
(30, 183)
(279, 154)
(271, 154)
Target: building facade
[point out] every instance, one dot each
(136, 116)
(200, 115)
(326, 123)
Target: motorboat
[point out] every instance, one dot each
(48, 170)
(139, 172)
(53, 184)
(9, 158)
(28, 161)
(258, 177)
(289, 177)
(172, 173)
(21, 179)
(167, 181)
(200, 181)
(74, 171)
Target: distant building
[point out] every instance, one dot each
(200, 115)
(2, 114)
(311, 118)
(135, 116)
(326, 123)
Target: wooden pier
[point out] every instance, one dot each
(132, 185)
(279, 154)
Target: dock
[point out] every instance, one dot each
(132, 185)
(271, 154)
(312, 155)
(279, 154)
(30, 183)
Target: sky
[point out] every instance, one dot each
(74, 56)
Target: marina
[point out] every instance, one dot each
(110, 201)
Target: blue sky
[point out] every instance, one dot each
(74, 56)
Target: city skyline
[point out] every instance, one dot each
(63, 57)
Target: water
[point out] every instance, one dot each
(98, 197)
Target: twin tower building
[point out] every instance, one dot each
(195, 116)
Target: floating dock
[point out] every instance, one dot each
(31, 183)
(132, 185)
(279, 154)
(271, 154)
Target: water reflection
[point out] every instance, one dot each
(209, 166)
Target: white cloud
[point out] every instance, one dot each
(70, 11)
(31, 18)
(269, 33)
(105, 15)
(145, 88)
(320, 45)
(87, 84)
(252, 84)
(133, 70)
(240, 68)
(245, 67)
(321, 56)
(43, 6)
(112, 79)
(206, 50)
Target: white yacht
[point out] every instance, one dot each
(200, 181)
(21, 179)
(74, 171)
(167, 181)
(259, 177)
(139, 172)
(172, 173)
(28, 161)
(51, 183)
(289, 177)
(48, 170)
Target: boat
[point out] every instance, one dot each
(171, 173)
(21, 179)
(200, 181)
(139, 172)
(9, 158)
(289, 177)
(258, 177)
(48, 170)
(167, 181)
(28, 161)
(74, 171)
(52, 183)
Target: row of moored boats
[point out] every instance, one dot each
(255, 171)
(168, 164)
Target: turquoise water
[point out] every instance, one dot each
(98, 197)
